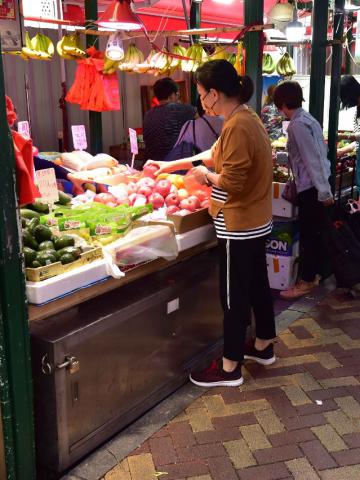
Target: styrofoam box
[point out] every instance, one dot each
(281, 207)
(195, 237)
(282, 271)
(55, 287)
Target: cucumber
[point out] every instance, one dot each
(39, 207)
(29, 214)
(64, 199)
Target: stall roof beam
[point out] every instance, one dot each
(95, 120)
(318, 59)
(254, 13)
(335, 87)
(15, 367)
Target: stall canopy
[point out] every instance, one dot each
(168, 14)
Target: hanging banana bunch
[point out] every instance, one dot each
(144, 66)
(133, 57)
(39, 47)
(175, 63)
(231, 58)
(286, 66)
(268, 64)
(219, 53)
(197, 56)
(239, 64)
(69, 47)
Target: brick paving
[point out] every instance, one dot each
(297, 419)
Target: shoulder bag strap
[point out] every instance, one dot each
(183, 133)
(211, 128)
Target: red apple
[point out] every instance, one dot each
(131, 187)
(157, 200)
(144, 190)
(172, 199)
(149, 171)
(146, 182)
(163, 187)
(132, 198)
(183, 193)
(205, 204)
(172, 209)
(195, 201)
(187, 204)
(140, 201)
(201, 195)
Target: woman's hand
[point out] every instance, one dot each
(199, 173)
(163, 167)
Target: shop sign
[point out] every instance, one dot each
(133, 141)
(79, 137)
(45, 180)
(24, 128)
(10, 25)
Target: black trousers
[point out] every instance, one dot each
(314, 227)
(244, 284)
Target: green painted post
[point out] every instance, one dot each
(254, 13)
(195, 22)
(335, 87)
(95, 121)
(318, 59)
(15, 367)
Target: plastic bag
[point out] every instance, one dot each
(144, 244)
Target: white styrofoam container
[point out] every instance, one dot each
(55, 287)
(282, 271)
(194, 237)
(281, 207)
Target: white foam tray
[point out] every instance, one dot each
(194, 237)
(56, 287)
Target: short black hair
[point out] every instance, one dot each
(349, 91)
(222, 76)
(289, 94)
(165, 87)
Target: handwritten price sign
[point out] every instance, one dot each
(133, 141)
(24, 129)
(79, 137)
(45, 180)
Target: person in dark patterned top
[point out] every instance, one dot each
(271, 117)
(162, 124)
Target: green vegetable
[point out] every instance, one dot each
(64, 241)
(67, 258)
(74, 251)
(29, 256)
(29, 240)
(42, 233)
(34, 222)
(47, 245)
(35, 264)
(45, 258)
(64, 199)
(24, 222)
(29, 214)
(40, 207)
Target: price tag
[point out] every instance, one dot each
(45, 180)
(133, 141)
(24, 128)
(79, 137)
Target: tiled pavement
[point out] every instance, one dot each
(299, 418)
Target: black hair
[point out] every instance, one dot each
(165, 87)
(199, 107)
(222, 76)
(289, 94)
(349, 91)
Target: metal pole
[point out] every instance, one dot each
(195, 22)
(15, 369)
(254, 13)
(318, 59)
(95, 122)
(335, 87)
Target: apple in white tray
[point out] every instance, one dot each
(157, 200)
(163, 187)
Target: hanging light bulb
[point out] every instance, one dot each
(295, 30)
(119, 16)
(280, 15)
(115, 47)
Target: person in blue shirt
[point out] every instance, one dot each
(311, 170)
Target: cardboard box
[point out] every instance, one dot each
(57, 268)
(190, 221)
(281, 207)
(284, 238)
(282, 271)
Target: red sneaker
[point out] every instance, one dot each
(215, 376)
